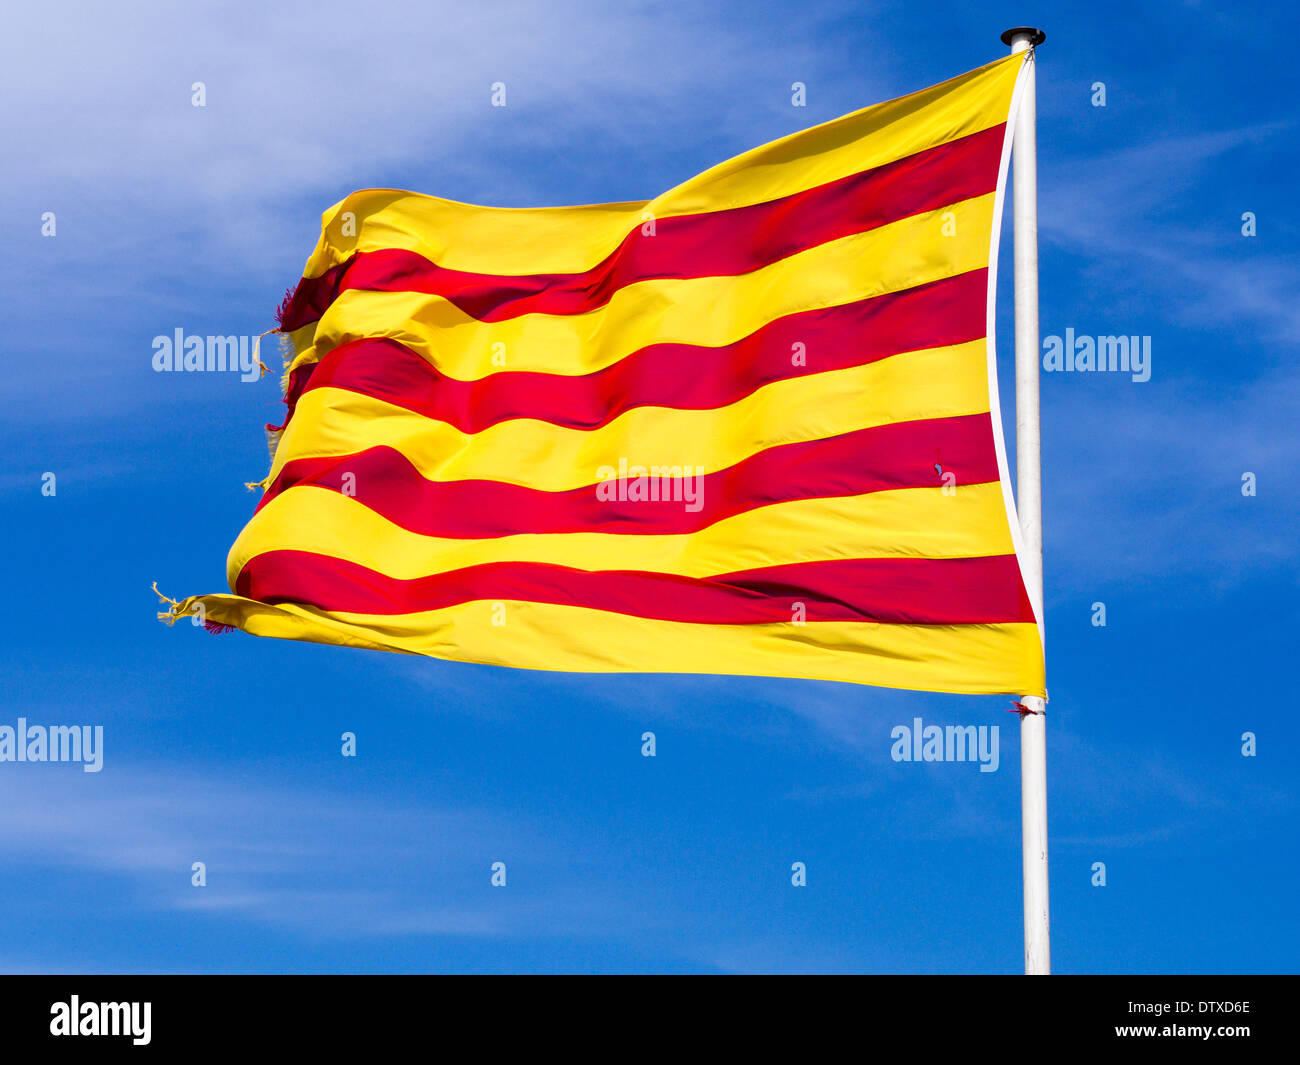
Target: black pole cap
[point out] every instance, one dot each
(1036, 36)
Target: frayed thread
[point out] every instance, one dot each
(288, 352)
(257, 347)
(168, 617)
(172, 614)
(273, 432)
(272, 442)
(282, 312)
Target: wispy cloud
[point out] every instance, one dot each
(317, 862)
(170, 214)
(1132, 215)
(117, 146)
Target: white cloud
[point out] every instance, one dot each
(1133, 217)
(316, 862)
(311, 100)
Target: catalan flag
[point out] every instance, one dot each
(747, 427)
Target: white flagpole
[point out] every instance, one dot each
(1033, 744)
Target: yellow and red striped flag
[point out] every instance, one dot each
(747, 427)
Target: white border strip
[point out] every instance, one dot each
(995, 408)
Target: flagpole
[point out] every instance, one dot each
(1033, 743)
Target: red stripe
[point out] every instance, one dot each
(915, 591)
(680, 376)
(713, 243)
(868, 460)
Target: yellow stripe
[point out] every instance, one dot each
(934, 383)
(711, 311)
(979, 659)
(969, 522)
(498, 240)
(303, 338)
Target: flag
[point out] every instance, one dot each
(747, 427)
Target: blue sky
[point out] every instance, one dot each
(226, 749)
